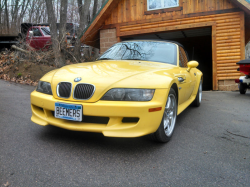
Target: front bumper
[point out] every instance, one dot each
(43, 106)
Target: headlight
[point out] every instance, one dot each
(125, 94)
(44, 87)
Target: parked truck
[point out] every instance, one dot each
(37, 36)
(6, 41)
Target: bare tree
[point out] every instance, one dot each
(11, 14)
(94, 9)
(38, 11)
(73, 16)
(24, 7)
(103, 1)
(1, 10)
(31, 10)
(71, 11)
(248, 50)
(95, 50)
(57, 10)
(84, 13)
(7, 15)
(62, 27)
(14, 12)
(57, 43)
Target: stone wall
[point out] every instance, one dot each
(248, 50)
(107, 39)
(227, 85)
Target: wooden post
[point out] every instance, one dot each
(118, 33)
(242, 35)
(214, 53)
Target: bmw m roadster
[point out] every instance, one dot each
(135, 88)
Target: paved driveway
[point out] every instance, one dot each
(210, 147)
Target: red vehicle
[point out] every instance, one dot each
(38, 37)
(244, 81)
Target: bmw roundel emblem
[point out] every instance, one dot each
(77, 79)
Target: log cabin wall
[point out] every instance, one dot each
(131, 17)
(134, 10)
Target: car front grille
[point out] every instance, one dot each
(64, 89)
(83, 91)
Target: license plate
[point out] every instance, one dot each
(68, 111)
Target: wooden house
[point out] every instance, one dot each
(214, 32)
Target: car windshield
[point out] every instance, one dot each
(156, 51)
(45, 30)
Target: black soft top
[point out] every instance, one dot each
(246, 61)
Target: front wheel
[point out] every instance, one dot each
(198, 97)
(166, 128)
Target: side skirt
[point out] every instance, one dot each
(184, 105)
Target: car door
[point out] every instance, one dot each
(185, 78)
(192, 73)
(46, 38)
(34, 41)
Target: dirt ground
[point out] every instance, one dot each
(31, 70)
(26, 66)
(24, 71)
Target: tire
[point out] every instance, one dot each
(166, 128)
(198, 97)
(243, 88)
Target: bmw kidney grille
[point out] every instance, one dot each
(83, 91)
(64, 89)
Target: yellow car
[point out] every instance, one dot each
(135, 88)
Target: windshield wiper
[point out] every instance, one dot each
(132, 59)
(105, 59)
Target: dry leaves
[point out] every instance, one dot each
(6, 62)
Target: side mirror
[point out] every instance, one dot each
(31, 34)
(192, 64)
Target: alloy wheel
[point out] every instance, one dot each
(170, 115)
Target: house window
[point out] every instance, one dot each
(161, 4)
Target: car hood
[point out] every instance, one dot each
(105, 75)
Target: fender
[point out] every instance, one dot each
(200, 78)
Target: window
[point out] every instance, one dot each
(161, 4)
(183, 59)
(36, 32)
(46, 31)
(163, 52)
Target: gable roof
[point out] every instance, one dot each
(243, 4)
(90, 34)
